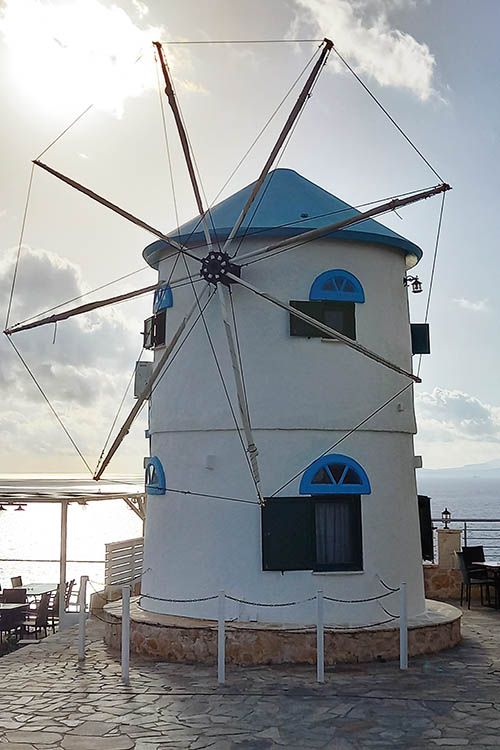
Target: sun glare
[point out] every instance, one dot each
(65, 56)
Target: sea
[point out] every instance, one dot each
(29, 538)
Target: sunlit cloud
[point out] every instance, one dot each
(84, 368)
(68, 55)
(467, 304)
(363, 33)
(445, 415)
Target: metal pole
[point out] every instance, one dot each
(62, 562)
(82, 616)
(320, 638)
(403, 627)
(221, 639)
(465, 533)
(126, 635)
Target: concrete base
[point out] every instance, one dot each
(183, 639)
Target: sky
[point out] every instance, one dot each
(434, 65)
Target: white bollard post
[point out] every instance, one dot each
(221, 639)
(126, 635)
(320, 638)
(403, 628)
(82, 616)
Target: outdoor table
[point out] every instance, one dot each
(8, 606)
(37, 589)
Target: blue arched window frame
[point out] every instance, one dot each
(333, 487)
(338, 285)
(163, 299)
(155, 477)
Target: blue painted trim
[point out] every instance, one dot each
(337, 278)
(154, 252)
(159, 486)
(308, 487)
(163, 298)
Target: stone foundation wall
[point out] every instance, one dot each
(251, 646)
(443, 583)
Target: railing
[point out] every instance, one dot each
(475, 531)
(123, 561)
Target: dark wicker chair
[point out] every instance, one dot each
(473, 577)
(12, 621)
(39, 618)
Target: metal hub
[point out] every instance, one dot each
(216, 266)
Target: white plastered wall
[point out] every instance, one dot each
(304, 394)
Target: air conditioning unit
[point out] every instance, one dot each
(143, 372)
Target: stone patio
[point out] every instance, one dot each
(450, 700)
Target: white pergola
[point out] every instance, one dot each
(136, 501)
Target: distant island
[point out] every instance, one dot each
(489, 469)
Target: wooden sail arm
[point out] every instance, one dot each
(81, 309)
(292, 117)
(251, 447)
(88, 307)
(327, 330)
(314, 234)
(186, 149)
(146, 393)
(169, 90)
(113, 207)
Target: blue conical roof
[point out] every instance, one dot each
(288, 205)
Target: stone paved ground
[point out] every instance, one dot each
(451, 700)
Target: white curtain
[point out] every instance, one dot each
(333, 533)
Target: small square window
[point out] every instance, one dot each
(155, 329)
(337, 315)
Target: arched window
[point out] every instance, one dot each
(323, 531)
(338, 285)
(163, 298)
(335, 474)
(155, 477)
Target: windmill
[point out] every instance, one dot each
(220, 277)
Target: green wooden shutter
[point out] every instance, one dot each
(288, 537)
(337, 315)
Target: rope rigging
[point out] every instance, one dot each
(205, 217)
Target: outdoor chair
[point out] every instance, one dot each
(470, 579)
(14, 596)
(16, 582)
(54, 609)
(69, 591)
(11, 622)
(39, 618)
(473, 555)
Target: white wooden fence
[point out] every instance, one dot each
(123, 562)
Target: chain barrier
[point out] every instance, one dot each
(394, 617)
(179, 601)
(359, 601)
(386, 586)
(269, 604)
(320, 627)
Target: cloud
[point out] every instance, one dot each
(69, 55)
(448, 415)
(364, 35)
(84, 373)
(141, 8)
(467, 304)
